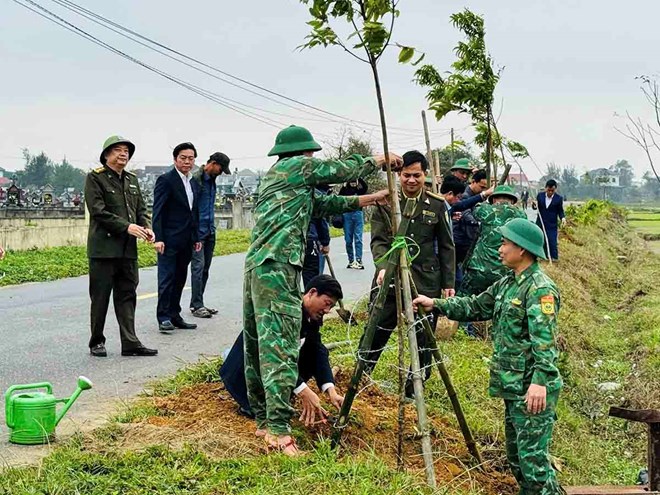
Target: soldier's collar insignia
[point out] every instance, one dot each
(426, 200)
(548, 304)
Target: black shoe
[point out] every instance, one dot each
(166, 327)
(139, 351)
(350, 265)
(358, 265)
(98, 350)
(183, 324)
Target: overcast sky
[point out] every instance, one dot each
(569, 69)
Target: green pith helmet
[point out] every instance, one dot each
(294, 138)
(428, 180)
(503, 190)
(462, 164)
(525, 234)
(111, 141)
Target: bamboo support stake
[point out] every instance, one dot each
(418, 385)
(368, 337)
(446, 379)
(429, 153)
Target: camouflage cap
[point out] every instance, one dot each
(525, 234)
(113, 140)
(292, 139)
(462, 164)
(504, 190)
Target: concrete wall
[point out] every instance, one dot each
(20, 230)
(20, 234)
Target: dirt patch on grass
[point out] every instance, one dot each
(205, 415)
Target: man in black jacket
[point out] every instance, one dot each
(175, 224)
(321, 294)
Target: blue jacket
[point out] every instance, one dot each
(205, 188)
(550, 215)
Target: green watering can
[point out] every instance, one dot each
(32, 417)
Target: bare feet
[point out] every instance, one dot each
(285, 444)
(260, 433)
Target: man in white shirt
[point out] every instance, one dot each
(175, 225)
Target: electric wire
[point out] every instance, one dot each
(105, 22)
(47, 14)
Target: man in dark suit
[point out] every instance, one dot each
(322, 293)
(175, 224)
(550, 207)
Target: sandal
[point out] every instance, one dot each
(201, 313)
(285, 444)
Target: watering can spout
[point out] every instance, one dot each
(83, 384)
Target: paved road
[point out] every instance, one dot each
(44, 329)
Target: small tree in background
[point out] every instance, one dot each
(470, 89)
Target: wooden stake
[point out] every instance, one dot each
(418, 384)
(429, 153)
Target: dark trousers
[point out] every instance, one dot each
(385, 326)
(120, 277)
(312, 264)
(172, 275)
(199, 271)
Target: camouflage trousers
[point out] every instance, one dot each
(528, 438)
(272, 316)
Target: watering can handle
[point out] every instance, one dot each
(14, 388)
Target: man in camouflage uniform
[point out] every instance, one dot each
(482, 268)
(272, 297)
(433, 263)
(117, 218)
(523, 306)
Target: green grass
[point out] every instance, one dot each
(646, 226)
(41, 265)
(159, 470)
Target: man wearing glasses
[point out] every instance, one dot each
(175, 223)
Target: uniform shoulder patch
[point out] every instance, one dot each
(99, 170)
(548, 304)
(435, 196)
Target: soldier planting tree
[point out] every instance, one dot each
(523, 306)
(272, 299)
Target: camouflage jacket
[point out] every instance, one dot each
(433, 269)
(524, 312)
(287, 201)
(113, 203)
(485, 257)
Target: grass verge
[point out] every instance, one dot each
(42, 265)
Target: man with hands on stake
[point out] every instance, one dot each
(523, 371)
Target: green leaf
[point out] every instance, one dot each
(406, 54)
(421, 57)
